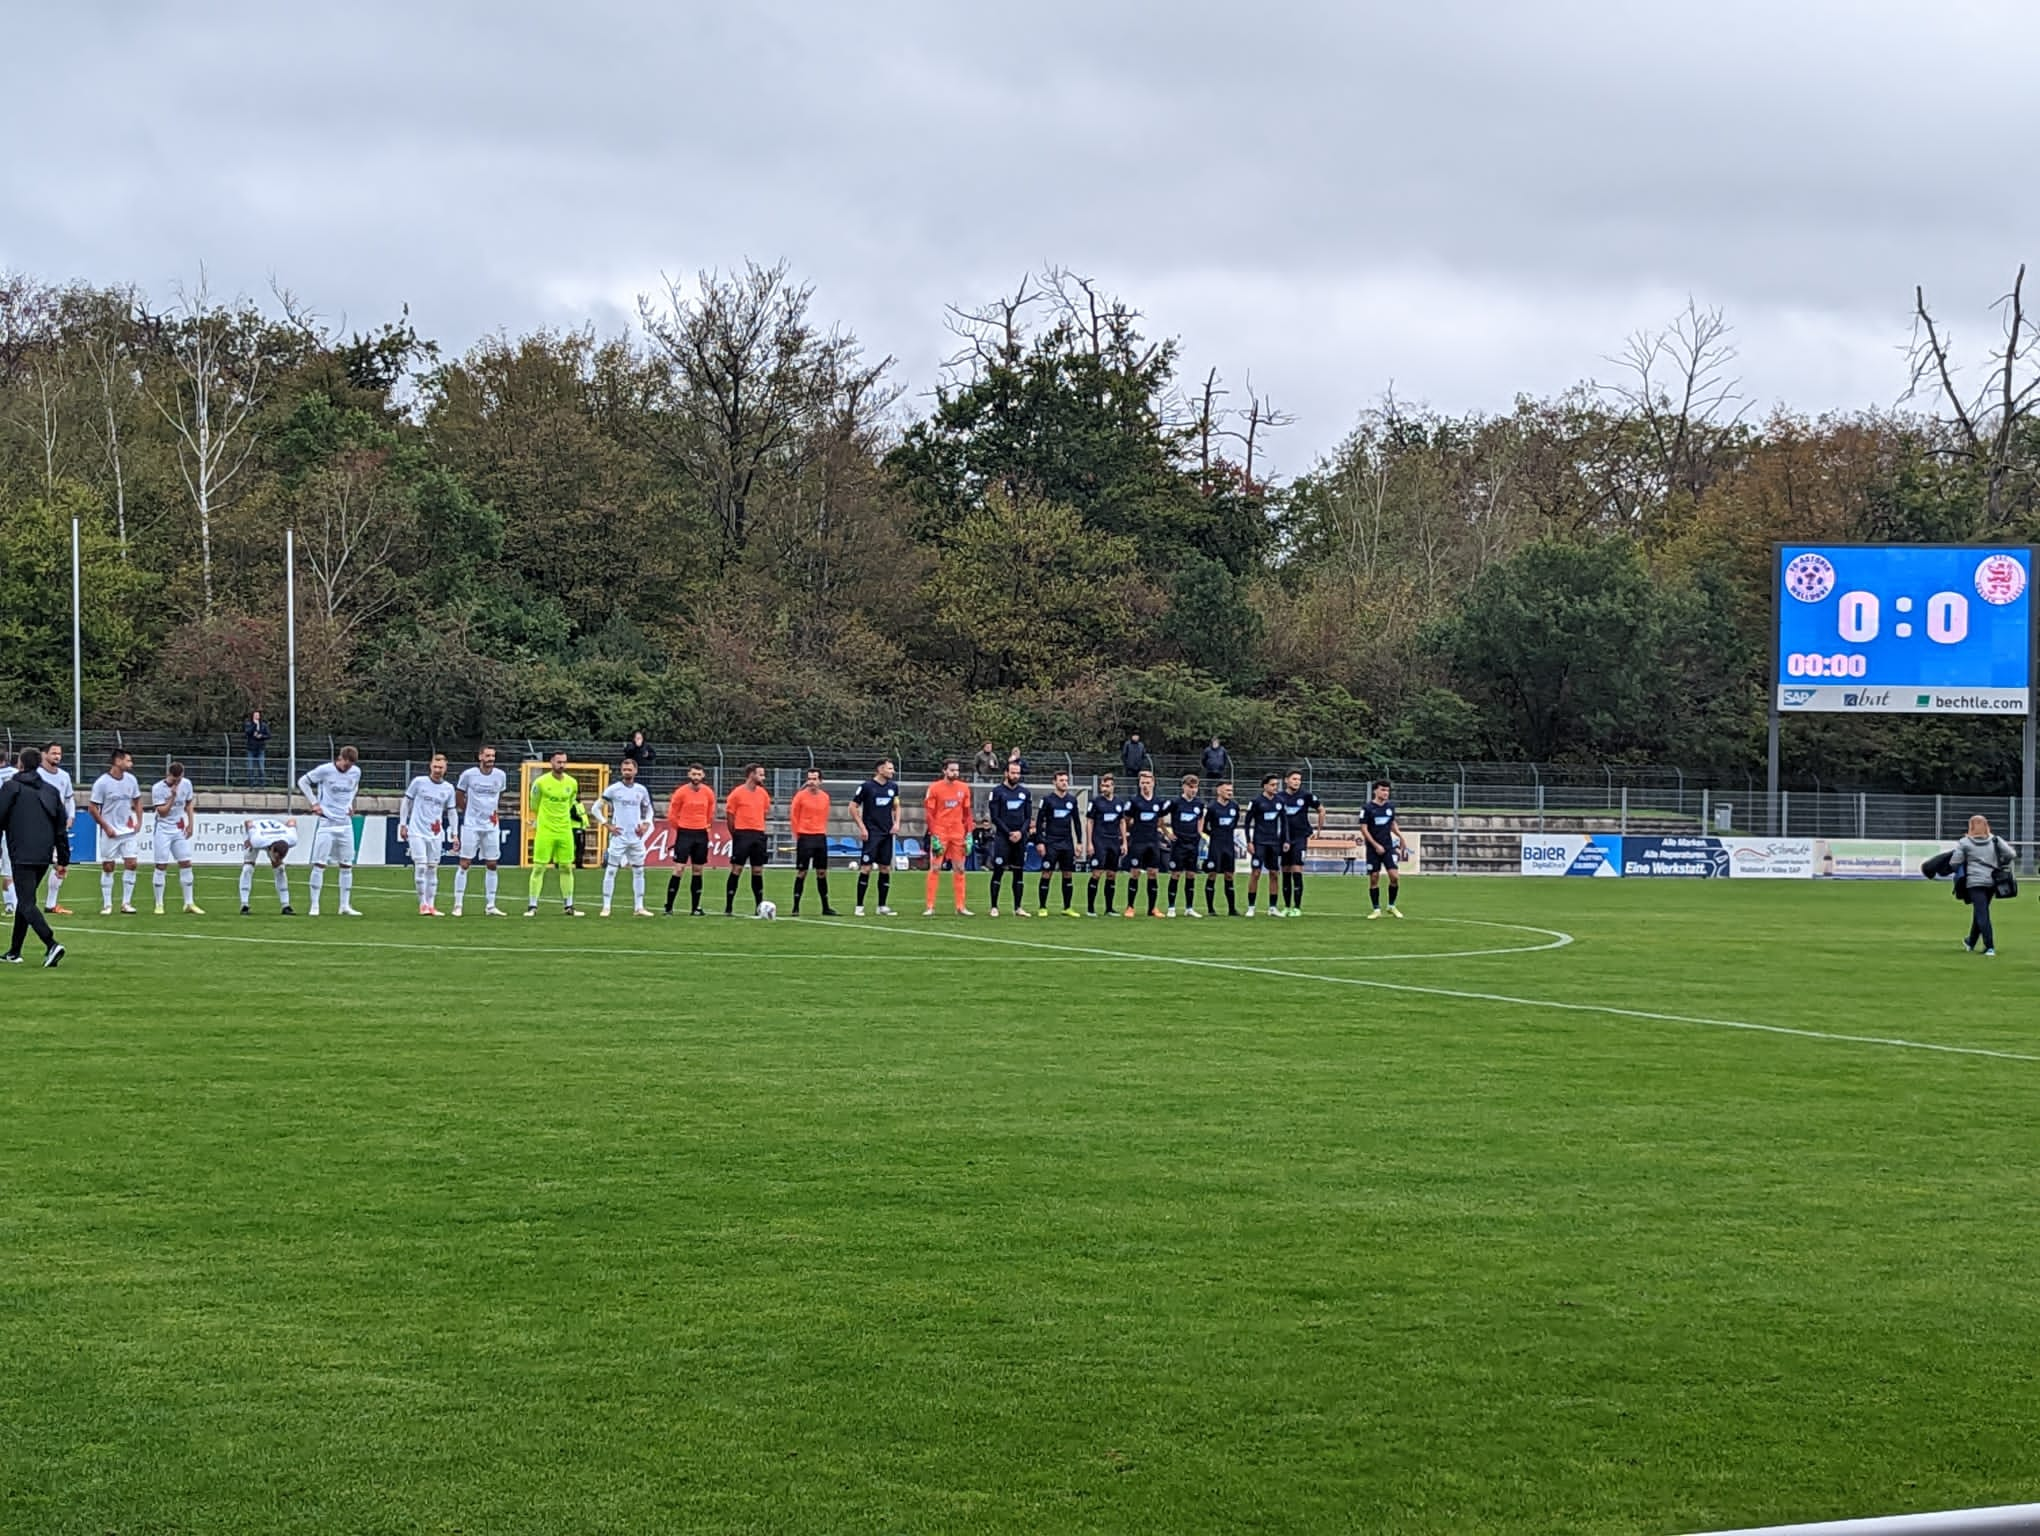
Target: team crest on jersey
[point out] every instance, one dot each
(1810, 577)
(2000, 579)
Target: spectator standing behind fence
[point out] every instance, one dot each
(638, 750)
(255, 732)
(1217, 764)
(1133, 757)
(1980, 861)
(987, 765)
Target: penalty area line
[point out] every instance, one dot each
(1604, 1010)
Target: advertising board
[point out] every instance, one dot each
(1597, 857)
(1770, 858)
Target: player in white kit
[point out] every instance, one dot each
(8, 770)
(173, 801)
(479, 796)
(331, 788)
(58, 777)
(425, 822)
(116, 804)
(627, 807)
(275, 837)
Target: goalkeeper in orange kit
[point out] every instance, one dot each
(948, 809)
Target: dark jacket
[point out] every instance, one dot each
(639, 752)
(256, 733)
(32, 822)
(1133, 757)
(1217, 765)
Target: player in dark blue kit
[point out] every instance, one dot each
(1265, 834)
(1144, 847)
(1385, 847)
(1107, 817)
(873, 810)
(1221, 826)
(1009, 810)
(1183, 826)
(1299, 806)
(1058, 836)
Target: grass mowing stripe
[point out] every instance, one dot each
(1606, 1009)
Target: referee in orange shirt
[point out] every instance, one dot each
(747, 808)
(810, 816)
(691, 813)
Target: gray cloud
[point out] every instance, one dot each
(1468, 197)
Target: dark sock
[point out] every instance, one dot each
(1393, 887)
(1232, 896)
(822, 890)
(1069, 892)
(758, 887)
(1043, 903)
(884, 886)
(1374, 895)
(1154, 891)
(863, 885)
(1111, 893)
(799, 884)
(694, 892)
(1091, 895)
(730, 896)
(672, 891)
(998, 876)
(1298, 902)
(1174, 880)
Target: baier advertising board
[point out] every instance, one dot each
(1598, 857)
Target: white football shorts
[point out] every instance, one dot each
(626, 852)
(333, 843)
(118, 850)
(481, 841)
(426, 848)
(172, 846)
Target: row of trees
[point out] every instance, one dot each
(733, 523)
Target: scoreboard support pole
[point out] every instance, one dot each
(2026, 829)
(1771, 771)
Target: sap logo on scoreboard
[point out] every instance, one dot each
(1589, 857)
(1793, 698)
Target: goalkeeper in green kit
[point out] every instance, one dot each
(554, 795)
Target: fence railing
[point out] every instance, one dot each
(1621, 796)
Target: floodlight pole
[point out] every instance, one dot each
(77, 658)
(290, 638)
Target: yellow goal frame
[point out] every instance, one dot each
(584, 775)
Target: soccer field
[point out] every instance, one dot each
(1565, 1205)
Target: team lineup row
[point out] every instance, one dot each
(1135, 834)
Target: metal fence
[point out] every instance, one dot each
(1622, 797)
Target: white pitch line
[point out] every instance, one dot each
(1607, 1010)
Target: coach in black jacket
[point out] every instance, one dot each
(32, 824)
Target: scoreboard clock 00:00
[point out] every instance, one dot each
(1904, 628)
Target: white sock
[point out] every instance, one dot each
(608, 883)
(161, 879)
(459, 884)
(247, 882)
(187, 877)
(637, 889)
(346, 885)
(127, 885)
(489, 883)
(431, 879)
(282, 886)
(318, 882)
(106, 890)
(56, 888)
(8, 896)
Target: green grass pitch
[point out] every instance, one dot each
(404, 1226)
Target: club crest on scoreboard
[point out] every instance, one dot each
(2000, 579)
(1810, 577)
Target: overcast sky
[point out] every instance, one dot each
(1467, 198)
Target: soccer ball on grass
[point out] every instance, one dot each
(768, 910)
